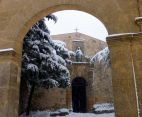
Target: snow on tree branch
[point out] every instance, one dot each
(102, 57)
(44, 60)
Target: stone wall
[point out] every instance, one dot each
(99, 87)
(56, 98)
(16, 18)
(102, 83)
(85, 71)
(91, 44)
(52, 99)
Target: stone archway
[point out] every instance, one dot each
(18, 16)
(79, 95)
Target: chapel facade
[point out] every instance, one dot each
(89, 83)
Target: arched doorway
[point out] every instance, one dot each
(79, 95)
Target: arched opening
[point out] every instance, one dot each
(70, 21)
(53, 9)
(80, 103)
(120, 22)
(79, 95)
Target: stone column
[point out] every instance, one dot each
(137, 59)
(9, 84)
(122, 75)
(90, 90)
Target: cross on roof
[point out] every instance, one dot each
(76, 29)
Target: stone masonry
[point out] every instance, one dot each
(16, 18)
(99, 88)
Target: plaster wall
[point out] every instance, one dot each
(17, 16)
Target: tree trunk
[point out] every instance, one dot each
(23, 98)
(30, 99)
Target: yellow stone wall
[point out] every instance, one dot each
(56, 98)
(91, 44)
(52, 99)
(17, 16)
(84, 70)
(102, 83)
(126, 78)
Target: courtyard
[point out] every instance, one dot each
(47, 114)
(123, 20)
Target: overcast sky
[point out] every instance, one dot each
(69, 20)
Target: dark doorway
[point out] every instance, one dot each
(79, 95)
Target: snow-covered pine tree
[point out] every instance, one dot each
(102, 57)
(44, 60)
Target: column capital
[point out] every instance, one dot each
(121, 39)
(7, 51)
(7, 54)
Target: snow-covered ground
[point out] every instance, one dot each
(47, 114)
(90, 115)
(104, 107)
